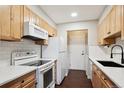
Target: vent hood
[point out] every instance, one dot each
(34, 32)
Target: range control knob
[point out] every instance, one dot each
(28, 53)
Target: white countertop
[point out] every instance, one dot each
(9, 73)
(116, 74)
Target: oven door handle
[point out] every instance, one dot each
(47, 68)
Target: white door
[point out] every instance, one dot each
(76, 44)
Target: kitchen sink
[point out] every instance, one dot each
(109, 64)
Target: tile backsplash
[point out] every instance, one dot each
(117, 57)
(7, 47)
(99, 52)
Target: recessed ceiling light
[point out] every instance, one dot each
(74, 14)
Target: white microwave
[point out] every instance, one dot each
(35, 32)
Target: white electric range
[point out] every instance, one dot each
(45, 73)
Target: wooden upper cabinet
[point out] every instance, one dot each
(16, 21)
(122, 32)
(41, 22)
(32, 17)
(107, 24)
(54, 32)
(11, 22)
(45, 26)
(112, 20)
(26, 14)
(113, 25)
(100, 33)
(50, 31)
(103, 30)
(37, 20)
(118, 18)
(115, 22)
(5, 16)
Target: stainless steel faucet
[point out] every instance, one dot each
(122, 56)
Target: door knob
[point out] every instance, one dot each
(82, 53)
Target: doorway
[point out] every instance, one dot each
(77, 46)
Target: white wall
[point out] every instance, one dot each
(90, 25)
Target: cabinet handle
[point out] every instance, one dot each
(23, 81)
(36, 84)
(108, 32)
(104, 78)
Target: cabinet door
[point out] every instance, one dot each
(112, 21)
(96, 80)
(16, 22)
(26, 14)
(103, 84)
(37, 20)
(50, 31)
(31, 84)
(32, 17)
(101, 34)
(5, 22)
(45, 25)
(95, 77)
(41, 23)
(118, 18)
(54, 32)
(107, 23)
(122, 32)
(98, 35)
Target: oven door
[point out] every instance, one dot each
(48, 76)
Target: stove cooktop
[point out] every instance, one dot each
(37, 63)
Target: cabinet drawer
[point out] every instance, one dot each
(31, 84)
(100, 80)
(107, 81)
(27, 78)
(13, 84)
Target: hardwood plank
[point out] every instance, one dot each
(76, 79)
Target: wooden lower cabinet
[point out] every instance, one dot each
(25, 81)
(100, 80)
(96, 82)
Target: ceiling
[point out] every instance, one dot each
(62, 13)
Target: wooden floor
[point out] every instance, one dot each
(76, 79)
